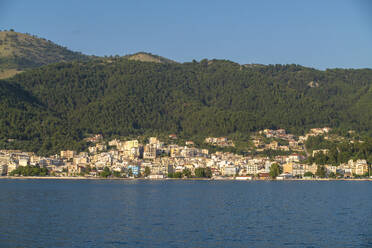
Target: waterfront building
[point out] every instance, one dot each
(149, 151)
(12, 165)
(252, 169)
(135, 169)
(310, 168)
(298, 170)
(230, 170)
(23, 161)
(324, 151)
(68, 154)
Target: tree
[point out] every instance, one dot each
(130, 172)
(177, 175)
(106, 172)
(147, 171)
(332, 175)
(321, 171)
(208, 172)
(30, 171)
(88, 169)
(275, 170)
(116, 174)
(308, 174)
(186, 172)
(203, 172)
(199, 172)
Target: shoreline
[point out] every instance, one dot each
(177, 179)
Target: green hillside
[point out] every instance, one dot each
(19, 52)
(198, 99)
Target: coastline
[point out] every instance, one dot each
(177, 179)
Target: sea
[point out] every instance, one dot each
(184, 213)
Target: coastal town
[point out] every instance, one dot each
(156, 159)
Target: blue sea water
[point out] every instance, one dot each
(104, 213)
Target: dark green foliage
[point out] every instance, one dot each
(275, 170)
(332, 175)
(186, 172)
(203, 172)
(308, 174)
(175, 175)
(105, 173)
(32, 126)
(321, 171)
(272, 153)
(317, 143)
(147, 171)
(29, 171)
(339, 152)
(116, 174)
(53, 107)
(130, 172)
(208, 172)
(88, 169)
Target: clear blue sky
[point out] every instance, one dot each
(317, 33)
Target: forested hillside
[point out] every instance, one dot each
(123, 97)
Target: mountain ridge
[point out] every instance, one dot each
(19, 52)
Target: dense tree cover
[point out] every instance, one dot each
(147, 171)
(203, 172)
(275, 170)
(29, 171)
(175, 175)
(105, 173)
(272, 153)
(31, 126)
(130, 172)
(308, 174)
(321, 171)
(199, 173)
(120, 97)
(116, 174)
(338, 152)
(332, 175)
(186, 172)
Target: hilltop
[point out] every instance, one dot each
(19, 52)
(148, 57)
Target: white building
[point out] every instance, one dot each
(230, 171)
